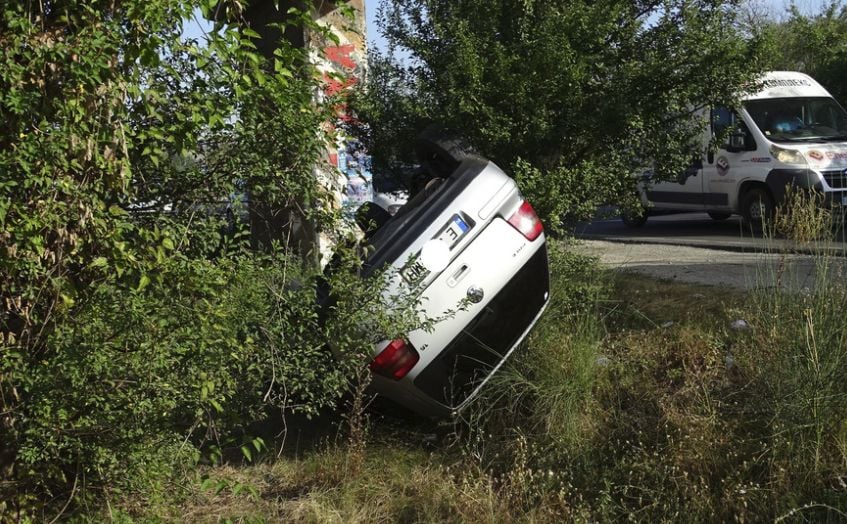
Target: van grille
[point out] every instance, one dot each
(469, 359)
(835, 178)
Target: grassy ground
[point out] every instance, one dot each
(634, 399)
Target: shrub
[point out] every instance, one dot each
(137, 329)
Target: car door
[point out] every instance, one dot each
(683, 192)
(726, 166)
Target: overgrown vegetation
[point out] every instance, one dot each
(803, 218)
(139, 332)
(142, 335)
(635, 399)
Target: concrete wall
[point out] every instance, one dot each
(342, 64)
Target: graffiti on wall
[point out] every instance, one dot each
(342, 65)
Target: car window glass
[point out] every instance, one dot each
(798, 119)
(724, 121)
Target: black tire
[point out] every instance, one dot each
(757, 207)
(440, 153)
(718, 215)
(633, 218)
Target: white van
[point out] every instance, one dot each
(791, 132)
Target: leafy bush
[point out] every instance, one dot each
(137, 329)
(565, 194)
(190, 359)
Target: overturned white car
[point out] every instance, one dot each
(468, 238)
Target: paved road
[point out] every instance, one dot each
(714, 267)
(694, 248)
(696, 230)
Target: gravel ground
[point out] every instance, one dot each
(709, 266)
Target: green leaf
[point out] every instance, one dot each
(143, 282)
(117, 211)
(217, 405)
(208, 484)
(249, 32)
(67, 300)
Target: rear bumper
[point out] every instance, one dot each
(456, 374)
(467, 362)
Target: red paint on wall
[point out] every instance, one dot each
(334, 86)
(341, 55)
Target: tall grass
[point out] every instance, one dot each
(638, 400)
(397, 483)
(797, 358)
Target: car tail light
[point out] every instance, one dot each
(526, 221)
(396, 360)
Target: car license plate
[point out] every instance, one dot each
(414, 271)
(454, 231)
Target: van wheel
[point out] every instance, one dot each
(757, 207)
(717, 215)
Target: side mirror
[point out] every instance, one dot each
(737, 142)
(740, 140)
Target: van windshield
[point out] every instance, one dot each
(818, 119)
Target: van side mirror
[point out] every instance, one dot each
(740, 140)
(736, 143)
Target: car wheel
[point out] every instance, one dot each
(440, 153)
(757, 207)
(717, 215)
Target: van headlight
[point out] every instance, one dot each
(788, 156)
